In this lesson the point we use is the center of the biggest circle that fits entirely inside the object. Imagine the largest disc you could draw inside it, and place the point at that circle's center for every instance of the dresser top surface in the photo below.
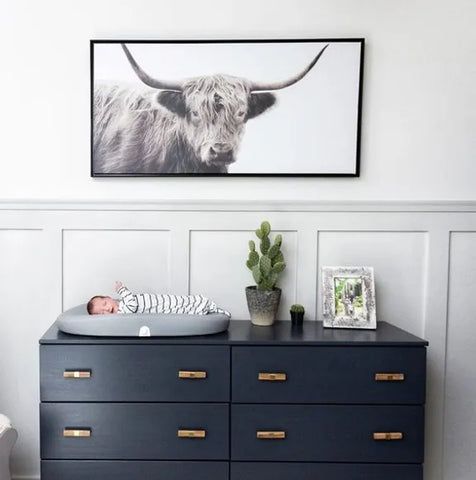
(242, 332)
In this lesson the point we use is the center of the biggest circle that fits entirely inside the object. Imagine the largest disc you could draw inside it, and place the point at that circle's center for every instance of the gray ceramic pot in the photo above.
(263, 305)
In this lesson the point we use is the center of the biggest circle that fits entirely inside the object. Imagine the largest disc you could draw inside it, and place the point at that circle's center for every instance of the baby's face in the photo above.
(104, 305)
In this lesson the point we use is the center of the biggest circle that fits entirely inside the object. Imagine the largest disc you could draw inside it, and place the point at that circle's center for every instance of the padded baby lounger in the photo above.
(77, 321)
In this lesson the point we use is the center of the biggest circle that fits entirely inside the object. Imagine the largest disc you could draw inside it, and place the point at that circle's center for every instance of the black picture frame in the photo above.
(356, 170)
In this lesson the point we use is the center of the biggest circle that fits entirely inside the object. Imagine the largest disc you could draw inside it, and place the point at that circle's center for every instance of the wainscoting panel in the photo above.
(460, 412)
(57, 254)
(218, 270)
(94, 259)
(399, 262)
(25, 290)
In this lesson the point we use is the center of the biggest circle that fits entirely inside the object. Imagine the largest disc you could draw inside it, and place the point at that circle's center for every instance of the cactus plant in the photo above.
(297, 315)
(267, 266)
(296, 308)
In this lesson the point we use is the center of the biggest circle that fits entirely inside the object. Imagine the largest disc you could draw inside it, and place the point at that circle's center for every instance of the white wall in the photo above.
(418, 143)
(418, 129)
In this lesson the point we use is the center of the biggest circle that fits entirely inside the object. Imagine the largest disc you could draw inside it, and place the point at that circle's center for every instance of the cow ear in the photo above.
(259, 103)
(172, 101)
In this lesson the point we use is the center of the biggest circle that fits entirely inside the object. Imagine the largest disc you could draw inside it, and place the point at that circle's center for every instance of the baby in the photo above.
(151, 303)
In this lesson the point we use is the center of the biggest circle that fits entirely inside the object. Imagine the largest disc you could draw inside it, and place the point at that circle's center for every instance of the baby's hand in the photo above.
(118, 286)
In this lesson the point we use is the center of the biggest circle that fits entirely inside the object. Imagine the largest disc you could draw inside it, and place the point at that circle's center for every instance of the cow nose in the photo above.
(222, 154)
(220, 148)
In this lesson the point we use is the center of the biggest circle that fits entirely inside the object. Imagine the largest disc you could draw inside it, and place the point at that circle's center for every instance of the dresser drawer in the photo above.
(132, 470)
(134, 373)
(326, 433)
(329, 375)
(134, 431)
(325, 471)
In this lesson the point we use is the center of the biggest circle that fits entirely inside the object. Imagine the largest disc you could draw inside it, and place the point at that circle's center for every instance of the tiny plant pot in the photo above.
(297, 318)
(263, 305)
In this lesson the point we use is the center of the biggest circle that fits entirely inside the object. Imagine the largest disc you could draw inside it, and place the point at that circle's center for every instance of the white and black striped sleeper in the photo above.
(154, 303)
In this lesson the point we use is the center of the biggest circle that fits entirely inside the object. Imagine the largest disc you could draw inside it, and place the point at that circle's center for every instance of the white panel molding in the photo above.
(307, 264)
(307, 221)
(459, 377)
(22, 288)
(385, 254)
(435, 317)
(122, 257)
(239, 205)
(180, 259)
(237, 256)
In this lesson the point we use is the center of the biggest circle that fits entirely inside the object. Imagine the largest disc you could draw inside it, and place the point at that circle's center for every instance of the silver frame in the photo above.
(328, 297)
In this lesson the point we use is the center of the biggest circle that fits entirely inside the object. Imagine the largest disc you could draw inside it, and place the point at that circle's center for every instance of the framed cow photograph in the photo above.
(226, 108)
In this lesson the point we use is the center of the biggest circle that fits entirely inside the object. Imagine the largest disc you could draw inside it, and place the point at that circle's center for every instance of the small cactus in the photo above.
(267, 267)
(296, 308)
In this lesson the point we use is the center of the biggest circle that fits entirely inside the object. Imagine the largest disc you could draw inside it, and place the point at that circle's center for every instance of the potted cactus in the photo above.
(263, 299)
(297, 314)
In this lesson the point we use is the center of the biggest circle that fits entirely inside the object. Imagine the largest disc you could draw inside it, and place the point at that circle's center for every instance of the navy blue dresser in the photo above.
(255, 402)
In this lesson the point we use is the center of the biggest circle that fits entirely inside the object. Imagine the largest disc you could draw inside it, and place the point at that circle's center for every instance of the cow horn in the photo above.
(147, 79)
(256, 87)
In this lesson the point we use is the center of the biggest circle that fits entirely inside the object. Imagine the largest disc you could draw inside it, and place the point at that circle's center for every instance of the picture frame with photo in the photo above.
(348, 297)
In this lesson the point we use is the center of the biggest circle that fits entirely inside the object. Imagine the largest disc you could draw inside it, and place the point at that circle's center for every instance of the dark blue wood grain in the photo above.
(134, 431)
(329, 375)
(324, 471)
(242, 332)
(329, 406)
(327, 433)
(134, 373)
(132, 470)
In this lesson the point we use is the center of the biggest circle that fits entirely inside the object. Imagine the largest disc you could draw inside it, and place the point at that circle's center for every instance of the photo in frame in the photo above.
(348, 297)
(226, 107)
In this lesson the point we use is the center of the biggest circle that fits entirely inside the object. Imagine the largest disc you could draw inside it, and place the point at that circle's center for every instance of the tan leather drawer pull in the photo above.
(191, 433)
(389, 377)
(272, 377)
(77, 432)
(266, 435)
(77, 374)
(388, 436)
(192, 374)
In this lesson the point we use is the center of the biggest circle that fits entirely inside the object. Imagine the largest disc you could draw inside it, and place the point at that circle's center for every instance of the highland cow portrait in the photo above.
(226, 107)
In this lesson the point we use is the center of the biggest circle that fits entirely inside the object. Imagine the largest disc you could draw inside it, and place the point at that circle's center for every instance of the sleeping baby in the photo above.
(151, 303)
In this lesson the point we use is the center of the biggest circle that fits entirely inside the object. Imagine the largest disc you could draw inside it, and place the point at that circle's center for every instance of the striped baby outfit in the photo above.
(153, 303)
